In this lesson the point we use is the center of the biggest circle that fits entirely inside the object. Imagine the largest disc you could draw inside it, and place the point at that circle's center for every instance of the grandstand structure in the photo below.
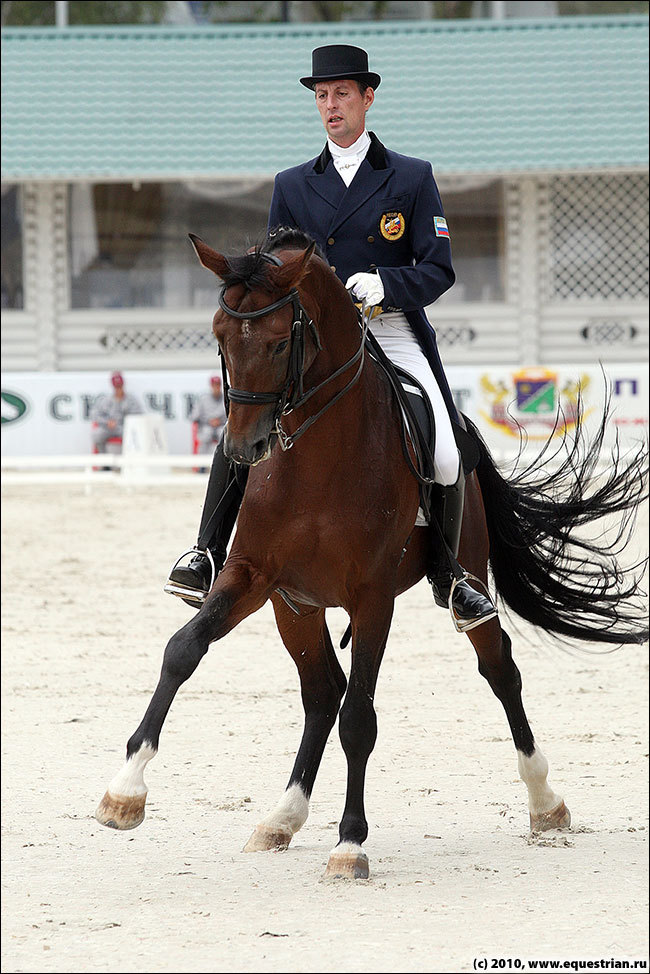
(118, 141)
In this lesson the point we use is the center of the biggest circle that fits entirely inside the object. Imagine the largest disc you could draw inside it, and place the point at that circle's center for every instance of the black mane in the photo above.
(251, 269)
(290, 238)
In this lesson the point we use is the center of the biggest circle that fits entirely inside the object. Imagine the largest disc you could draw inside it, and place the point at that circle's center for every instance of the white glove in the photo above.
(368, 286)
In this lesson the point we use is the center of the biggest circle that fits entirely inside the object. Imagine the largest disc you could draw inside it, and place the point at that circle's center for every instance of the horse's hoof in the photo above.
(121, 812)
(347, 864)
(264, 838)
(558, 818)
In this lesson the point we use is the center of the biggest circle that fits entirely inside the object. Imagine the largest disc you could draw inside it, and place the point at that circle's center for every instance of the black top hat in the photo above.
(337, 61)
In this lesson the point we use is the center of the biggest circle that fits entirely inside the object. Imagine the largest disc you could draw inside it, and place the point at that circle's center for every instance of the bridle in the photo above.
(292, 394)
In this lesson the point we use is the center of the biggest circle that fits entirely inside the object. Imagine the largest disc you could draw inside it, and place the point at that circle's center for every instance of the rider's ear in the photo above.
(292, 271)
(214, 262)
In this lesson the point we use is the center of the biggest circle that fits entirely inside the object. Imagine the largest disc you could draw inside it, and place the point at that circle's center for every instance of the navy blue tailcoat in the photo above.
(390, 220)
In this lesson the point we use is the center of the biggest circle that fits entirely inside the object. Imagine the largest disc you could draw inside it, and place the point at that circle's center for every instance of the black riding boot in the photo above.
(223, 498)
(470, 607)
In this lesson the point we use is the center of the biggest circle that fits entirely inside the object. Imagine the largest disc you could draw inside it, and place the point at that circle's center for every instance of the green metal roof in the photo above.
(472, 96)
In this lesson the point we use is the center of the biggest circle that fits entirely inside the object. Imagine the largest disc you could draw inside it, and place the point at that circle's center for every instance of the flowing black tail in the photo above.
(547, 566)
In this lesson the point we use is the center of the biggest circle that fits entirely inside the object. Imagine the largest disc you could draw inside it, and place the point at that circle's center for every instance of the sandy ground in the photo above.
(455, 875)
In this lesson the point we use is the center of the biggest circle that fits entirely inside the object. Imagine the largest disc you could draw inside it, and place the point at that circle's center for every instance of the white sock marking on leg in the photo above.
(129, 782)
(347, 849)
(533, 771)
(291, 811)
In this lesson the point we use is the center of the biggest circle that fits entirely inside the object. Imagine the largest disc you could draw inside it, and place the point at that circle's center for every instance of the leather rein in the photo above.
(292, 395)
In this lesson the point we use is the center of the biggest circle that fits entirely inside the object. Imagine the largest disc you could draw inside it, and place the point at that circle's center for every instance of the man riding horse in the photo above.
(377, 217)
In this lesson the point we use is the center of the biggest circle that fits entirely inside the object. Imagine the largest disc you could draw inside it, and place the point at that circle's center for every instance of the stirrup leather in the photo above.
(464, 625)
(191, 594)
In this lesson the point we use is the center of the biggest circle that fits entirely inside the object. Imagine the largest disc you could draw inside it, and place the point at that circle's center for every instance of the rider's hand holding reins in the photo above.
(368, 287)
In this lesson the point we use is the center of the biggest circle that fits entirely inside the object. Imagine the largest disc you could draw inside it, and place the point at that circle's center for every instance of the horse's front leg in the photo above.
(239, 591)
(322, 683)
(358, 729)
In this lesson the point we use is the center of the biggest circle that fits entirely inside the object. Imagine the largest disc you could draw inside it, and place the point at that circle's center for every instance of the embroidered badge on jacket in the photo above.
(441, 228)
(392, 225)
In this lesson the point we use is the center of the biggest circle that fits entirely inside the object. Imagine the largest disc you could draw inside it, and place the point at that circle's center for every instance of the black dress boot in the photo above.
(469, 607)
(192, 582)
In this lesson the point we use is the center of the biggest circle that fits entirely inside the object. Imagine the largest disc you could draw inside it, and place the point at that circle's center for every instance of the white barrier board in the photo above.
(48, 413)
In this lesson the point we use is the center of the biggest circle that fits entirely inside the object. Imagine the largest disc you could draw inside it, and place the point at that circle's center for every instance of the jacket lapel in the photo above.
(325, 180)
(373, 172)
(365, 184)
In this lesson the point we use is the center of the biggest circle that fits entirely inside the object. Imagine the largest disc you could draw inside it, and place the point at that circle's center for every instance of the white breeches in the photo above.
(394, 334)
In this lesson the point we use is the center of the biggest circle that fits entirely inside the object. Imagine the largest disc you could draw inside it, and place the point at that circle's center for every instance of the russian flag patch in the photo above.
(440, 226)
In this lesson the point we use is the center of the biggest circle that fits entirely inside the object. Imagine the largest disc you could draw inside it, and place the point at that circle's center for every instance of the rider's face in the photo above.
(343, 109)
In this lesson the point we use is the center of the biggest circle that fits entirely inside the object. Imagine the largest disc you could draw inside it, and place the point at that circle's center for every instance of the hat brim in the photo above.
(368, 77)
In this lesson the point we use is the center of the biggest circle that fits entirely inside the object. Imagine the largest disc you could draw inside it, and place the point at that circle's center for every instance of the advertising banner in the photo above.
(48, 414)
(515, 407)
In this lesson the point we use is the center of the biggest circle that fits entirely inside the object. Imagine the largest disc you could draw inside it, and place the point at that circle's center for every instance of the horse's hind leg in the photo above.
(322, 684)
(495, 663)
(238, 593)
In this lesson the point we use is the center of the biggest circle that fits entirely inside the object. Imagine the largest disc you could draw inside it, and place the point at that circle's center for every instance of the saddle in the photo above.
(418, 425)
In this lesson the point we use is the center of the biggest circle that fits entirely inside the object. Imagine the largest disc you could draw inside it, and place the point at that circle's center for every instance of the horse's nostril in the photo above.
(260, 450)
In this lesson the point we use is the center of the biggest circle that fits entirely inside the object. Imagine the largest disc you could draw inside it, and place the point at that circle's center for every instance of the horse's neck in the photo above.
(346, 401)
(338, 325)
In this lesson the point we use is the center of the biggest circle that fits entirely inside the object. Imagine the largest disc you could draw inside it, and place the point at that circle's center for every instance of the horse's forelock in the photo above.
(247, 269)
(252, 270)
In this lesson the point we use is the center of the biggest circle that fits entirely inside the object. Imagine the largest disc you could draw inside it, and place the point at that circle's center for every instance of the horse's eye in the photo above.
(280, 347)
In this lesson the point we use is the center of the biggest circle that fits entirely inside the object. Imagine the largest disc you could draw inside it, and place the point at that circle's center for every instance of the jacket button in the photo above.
(372, 267)
(330, 241)
(332, 267)
(371, 239)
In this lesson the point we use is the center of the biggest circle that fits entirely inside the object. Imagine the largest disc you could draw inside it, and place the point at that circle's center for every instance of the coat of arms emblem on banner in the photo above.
(532, 401)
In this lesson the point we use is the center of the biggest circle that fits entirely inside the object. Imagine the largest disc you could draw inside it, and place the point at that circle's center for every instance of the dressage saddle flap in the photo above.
(421, 407)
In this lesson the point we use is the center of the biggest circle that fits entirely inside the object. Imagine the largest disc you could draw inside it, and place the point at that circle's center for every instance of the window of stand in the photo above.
(12, 248)
(475, 212)
(129, 245)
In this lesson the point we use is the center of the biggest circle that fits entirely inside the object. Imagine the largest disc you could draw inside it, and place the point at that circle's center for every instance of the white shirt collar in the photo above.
(358, 148)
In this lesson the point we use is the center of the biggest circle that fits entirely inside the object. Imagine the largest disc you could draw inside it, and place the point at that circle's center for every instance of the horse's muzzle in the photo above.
(241, 450)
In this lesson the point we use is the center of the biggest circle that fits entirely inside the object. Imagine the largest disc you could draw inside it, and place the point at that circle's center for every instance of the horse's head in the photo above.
(263, 335)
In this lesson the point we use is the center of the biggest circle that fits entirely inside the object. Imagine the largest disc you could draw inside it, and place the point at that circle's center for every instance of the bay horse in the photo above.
(328, 519)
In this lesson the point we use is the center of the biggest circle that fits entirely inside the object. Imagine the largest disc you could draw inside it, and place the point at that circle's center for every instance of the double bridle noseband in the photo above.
(292, 394)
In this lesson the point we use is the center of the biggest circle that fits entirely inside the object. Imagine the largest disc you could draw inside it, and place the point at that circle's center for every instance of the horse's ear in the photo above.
(292, 271)
(214, 262)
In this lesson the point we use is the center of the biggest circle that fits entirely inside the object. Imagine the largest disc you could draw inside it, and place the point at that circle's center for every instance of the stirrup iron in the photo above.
(464, 625)
(192, 594)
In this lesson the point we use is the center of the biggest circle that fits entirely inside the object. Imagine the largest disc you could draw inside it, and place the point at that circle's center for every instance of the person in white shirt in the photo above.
(107, 416)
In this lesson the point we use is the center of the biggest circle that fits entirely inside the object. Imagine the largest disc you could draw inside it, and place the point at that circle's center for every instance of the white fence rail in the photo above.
(125, 469)
(128, 470)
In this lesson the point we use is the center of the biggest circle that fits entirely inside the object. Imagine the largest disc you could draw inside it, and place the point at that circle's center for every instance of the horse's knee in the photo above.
(358, 727)
(183, 653)
(212, 620)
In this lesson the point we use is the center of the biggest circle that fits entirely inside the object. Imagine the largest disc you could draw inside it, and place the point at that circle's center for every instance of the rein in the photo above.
(292, 394)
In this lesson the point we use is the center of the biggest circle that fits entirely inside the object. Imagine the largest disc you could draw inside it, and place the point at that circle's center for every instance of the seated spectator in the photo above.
(107, 416)
(210, 416)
